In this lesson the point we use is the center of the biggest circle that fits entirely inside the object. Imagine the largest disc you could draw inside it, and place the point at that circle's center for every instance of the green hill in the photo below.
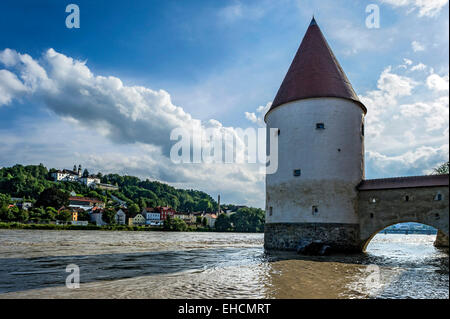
(30, 181)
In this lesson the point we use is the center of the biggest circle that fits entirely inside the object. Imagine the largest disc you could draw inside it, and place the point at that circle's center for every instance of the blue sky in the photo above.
(215, 60)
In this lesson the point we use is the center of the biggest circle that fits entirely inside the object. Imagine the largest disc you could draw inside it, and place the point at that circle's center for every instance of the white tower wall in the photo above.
(331, 164)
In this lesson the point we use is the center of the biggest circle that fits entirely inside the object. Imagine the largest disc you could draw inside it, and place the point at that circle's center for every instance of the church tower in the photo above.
(320, 120)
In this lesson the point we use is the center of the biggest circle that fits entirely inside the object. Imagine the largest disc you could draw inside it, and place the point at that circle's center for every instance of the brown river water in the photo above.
(213, 265)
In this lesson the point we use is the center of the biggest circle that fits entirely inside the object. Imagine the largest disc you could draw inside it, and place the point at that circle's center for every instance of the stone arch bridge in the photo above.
(388, 201)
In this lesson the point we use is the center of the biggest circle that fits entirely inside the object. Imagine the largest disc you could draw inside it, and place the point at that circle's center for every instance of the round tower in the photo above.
(320, 120)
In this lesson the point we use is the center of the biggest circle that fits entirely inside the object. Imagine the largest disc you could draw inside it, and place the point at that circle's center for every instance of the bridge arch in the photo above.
(381, 208)
(440, 236)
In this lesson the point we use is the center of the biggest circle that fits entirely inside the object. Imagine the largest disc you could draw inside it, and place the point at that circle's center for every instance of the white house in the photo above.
(152, 217)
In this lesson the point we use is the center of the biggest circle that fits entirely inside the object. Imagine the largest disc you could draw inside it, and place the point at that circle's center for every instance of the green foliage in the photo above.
(223, 223)
(64, 215)
(53, 197)
(246, 219)
(133, 209)
(175, 224)
(108, 216)
(441, 169)
(5, 200)
(84, 216)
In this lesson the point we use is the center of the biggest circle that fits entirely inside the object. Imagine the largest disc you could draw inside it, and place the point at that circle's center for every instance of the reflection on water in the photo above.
(213, 265)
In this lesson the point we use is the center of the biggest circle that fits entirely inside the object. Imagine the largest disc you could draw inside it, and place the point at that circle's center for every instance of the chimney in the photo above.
(218, 202)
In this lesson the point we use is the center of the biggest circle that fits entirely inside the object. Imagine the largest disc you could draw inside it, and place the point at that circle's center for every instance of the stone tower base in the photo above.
(288, 236)
(441, 240)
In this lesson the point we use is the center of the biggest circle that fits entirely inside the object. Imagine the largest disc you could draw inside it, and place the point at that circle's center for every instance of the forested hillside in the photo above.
(30, 181)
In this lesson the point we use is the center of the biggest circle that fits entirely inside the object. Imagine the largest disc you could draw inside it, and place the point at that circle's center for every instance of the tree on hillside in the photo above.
(205, 205)
(441, 169)
(53, 197)
(65, 215)
(6, 214)
(108, 216)
(85, 173)
(223, 223)
(5, 199)
(133, 209)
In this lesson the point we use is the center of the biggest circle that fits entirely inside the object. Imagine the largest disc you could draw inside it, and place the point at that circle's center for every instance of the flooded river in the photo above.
(213, 265)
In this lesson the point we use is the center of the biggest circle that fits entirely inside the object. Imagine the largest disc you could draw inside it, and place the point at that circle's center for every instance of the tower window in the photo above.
(406, 198)
(320, 126)
(371, 215)
(270, 211)
(297, 172)
(438, 196)
(315, 210)
(373, 200)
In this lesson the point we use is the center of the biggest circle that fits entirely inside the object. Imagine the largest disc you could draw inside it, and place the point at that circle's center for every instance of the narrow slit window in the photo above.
(297, 172)
(320, 126)
(407, 198)
(315, 210)
(362, 129)
(270, 211)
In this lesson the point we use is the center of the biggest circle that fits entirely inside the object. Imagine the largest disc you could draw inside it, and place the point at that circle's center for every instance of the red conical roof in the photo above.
(315, 72)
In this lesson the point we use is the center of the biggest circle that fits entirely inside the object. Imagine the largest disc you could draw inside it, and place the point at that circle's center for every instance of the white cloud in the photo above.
(406, 131)
(419, 67)
(417, 46)
(125, 115)
(438, 83)
(239, 10)
(10, 87)
(258, 117)
(426, 8)
(418, 161)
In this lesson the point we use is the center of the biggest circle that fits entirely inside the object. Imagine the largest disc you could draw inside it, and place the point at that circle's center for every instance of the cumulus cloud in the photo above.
(438, 83)
(10, 87)
(407, 133)
(258, 116)
(413, 162)
(126, 115)
(424, 8)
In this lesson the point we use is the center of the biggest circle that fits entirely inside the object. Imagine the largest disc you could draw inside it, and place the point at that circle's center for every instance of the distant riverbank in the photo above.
(16, 225)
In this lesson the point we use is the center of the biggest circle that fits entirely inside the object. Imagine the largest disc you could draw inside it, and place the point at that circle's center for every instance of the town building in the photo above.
(164, 212)
(121, 216)
(188, 218)
(210, 220)
(85, 202)
(96, 214)
(137, 220)
(76, 175)
(152, 216)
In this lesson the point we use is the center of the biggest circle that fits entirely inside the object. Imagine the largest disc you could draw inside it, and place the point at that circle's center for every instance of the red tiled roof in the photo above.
(84, 199)
(315, 72)
(404, 182)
